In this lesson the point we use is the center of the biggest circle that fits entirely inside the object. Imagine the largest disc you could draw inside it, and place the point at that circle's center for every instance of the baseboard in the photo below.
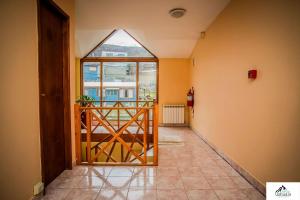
(173, 125)
(252, 180)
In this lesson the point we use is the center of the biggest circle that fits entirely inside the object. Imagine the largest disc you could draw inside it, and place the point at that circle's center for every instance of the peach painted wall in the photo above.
(20, 166)
(173, 82)
(256, 123)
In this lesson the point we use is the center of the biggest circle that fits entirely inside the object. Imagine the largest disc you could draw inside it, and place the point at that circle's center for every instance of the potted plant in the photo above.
(84, 100)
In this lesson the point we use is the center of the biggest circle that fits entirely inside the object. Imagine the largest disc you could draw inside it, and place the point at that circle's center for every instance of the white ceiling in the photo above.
(148, 21)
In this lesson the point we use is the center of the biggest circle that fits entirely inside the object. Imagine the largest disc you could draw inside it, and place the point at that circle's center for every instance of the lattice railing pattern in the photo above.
(116, 134)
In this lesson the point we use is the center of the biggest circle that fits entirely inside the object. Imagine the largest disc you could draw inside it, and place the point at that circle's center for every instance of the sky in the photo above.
(122, 38)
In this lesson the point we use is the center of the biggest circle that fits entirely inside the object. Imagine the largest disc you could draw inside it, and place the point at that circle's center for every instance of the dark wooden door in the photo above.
(51, 82)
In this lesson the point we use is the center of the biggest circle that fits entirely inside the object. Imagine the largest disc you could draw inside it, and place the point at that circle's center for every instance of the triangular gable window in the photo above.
(120, 44)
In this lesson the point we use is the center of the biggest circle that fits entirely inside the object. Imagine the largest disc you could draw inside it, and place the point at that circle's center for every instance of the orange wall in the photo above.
(20, 161)
(256, 123)
(20, 166)
(173, 82)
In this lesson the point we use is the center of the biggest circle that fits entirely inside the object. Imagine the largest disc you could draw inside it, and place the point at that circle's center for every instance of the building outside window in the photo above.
(120, 81)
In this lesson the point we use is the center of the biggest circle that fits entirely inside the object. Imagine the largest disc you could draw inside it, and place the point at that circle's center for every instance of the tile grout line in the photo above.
(207, 149)
(217, 165)
(227, 176)
(211, 188)
(209, 145)
(105, 177)
(209, 183)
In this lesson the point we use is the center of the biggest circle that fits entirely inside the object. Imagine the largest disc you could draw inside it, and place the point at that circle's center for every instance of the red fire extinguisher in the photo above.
(190, 97)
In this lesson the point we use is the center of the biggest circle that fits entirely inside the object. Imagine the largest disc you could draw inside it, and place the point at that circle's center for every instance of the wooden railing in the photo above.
(116, 132)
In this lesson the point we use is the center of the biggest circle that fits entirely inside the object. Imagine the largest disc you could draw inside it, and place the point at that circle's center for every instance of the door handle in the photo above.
(43, 94)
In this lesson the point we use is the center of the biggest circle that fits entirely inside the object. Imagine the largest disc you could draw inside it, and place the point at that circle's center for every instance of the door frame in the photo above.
(66, 83)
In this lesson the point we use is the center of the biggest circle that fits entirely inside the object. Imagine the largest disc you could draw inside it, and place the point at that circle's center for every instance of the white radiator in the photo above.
(173, 114)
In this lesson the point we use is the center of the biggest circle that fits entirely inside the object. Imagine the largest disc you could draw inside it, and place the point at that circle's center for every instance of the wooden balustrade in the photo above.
(100, 131)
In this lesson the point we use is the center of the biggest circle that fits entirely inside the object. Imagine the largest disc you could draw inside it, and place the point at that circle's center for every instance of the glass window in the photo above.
(93, 68)
(147, 81)
(91, 79)
(118, 77)
(119, 81)
(120, 44)
(130, 93)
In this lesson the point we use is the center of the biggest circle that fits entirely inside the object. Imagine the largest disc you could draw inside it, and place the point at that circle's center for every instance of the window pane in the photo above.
(119, 78)
(147, 81)
(120, 44)
(91, 79)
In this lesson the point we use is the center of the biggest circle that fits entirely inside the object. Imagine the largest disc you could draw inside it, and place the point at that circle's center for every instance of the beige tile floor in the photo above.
(189, 170)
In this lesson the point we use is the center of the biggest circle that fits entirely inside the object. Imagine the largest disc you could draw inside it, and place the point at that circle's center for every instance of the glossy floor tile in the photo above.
(142, 194)
(189, 170)
(178, 194)
(107, 194)
(202, 194)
